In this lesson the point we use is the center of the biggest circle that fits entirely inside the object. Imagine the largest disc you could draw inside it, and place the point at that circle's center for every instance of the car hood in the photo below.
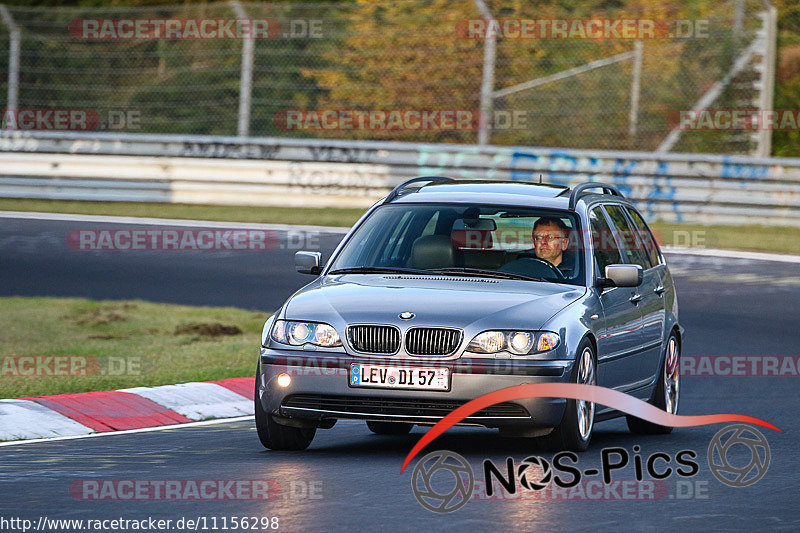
(469, 303)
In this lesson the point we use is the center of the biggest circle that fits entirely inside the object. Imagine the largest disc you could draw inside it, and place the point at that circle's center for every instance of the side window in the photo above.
(430, 227)
(392, 248)
(632, 245)
(650, 244)
(606, 251)
(406, 232)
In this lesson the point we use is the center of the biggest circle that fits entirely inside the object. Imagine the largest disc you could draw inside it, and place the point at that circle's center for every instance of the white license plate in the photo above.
(393, 377)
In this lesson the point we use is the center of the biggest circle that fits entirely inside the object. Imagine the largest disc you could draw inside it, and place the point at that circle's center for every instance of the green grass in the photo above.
(777, 239)
(122, 344)
(223, 213)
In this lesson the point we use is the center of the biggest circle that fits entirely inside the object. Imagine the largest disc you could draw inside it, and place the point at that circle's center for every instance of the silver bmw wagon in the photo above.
(447, 290)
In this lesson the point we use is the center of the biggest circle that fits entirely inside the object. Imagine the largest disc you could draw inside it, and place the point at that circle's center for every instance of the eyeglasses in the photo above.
(547, 238)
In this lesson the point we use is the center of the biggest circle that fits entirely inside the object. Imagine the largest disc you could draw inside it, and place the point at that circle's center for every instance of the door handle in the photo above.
(659, 290)
(635, 299)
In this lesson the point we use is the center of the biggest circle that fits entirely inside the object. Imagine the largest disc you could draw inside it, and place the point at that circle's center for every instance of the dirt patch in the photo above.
(104, 314)
(208, 330)
(788, 62)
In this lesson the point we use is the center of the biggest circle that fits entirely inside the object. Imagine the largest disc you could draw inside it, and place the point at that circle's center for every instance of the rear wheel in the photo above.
(389, 428)
(667, 393)
(276, 436)
(575, 430)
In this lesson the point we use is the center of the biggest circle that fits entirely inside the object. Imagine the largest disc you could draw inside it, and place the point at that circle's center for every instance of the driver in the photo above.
(550, 240)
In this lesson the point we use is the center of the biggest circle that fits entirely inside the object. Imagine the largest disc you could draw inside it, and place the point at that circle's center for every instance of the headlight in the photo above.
(516, 342)
(299, 333)
(520, 342)
(488, 342)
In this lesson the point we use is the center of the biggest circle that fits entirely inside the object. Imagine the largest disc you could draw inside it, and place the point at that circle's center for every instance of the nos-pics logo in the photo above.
(443, 481)
(733, 471)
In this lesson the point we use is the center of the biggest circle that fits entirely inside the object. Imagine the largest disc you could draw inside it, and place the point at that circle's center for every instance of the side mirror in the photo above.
(622, 276)
(307, 262)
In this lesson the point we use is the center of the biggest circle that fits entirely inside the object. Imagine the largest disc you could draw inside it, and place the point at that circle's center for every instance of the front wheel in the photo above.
(575, 430)
(276, 436)
(667, 391)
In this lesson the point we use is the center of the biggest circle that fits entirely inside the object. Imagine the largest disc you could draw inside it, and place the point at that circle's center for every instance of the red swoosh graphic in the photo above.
(592, 393)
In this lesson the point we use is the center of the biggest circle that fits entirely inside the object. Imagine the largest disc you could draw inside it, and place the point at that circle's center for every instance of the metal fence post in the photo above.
(487, 85)
(766, 98)
(13, 59)
(738, 17)
(633, 115)
(246, 78)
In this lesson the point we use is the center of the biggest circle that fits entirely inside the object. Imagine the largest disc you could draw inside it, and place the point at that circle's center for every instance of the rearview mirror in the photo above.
(623, 276)
(482, 224)
(307, 262)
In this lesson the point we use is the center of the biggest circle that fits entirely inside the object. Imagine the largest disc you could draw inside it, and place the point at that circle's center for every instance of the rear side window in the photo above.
(650, 244)
(632, 245)
(606, 250)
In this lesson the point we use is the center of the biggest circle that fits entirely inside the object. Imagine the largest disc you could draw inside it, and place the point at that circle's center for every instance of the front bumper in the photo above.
(319, 392)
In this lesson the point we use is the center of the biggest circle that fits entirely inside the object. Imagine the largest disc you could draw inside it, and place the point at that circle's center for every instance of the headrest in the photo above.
(473, 234)
(433, 251)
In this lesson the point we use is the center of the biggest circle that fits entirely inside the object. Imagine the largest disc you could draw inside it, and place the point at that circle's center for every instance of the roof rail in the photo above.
(400, 188)
(575, 194)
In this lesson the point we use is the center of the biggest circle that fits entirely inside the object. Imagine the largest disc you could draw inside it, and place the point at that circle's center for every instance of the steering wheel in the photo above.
(549, 265)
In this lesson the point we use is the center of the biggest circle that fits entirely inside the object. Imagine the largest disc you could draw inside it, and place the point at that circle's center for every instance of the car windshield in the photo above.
(466, 240)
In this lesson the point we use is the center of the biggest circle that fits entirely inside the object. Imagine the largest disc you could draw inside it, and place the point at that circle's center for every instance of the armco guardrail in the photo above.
(321, 173)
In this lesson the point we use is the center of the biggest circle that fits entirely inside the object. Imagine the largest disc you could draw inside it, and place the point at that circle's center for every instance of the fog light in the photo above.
(284, 380)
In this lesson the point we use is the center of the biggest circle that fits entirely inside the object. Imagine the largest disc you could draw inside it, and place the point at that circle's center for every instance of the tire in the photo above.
(668, 382)
(575, 430)
(276, 436)
(389, 428)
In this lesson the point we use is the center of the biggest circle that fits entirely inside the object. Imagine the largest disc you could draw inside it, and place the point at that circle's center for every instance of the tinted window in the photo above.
(631, 244)
(650, 244)
(606, 250)
(437, 237)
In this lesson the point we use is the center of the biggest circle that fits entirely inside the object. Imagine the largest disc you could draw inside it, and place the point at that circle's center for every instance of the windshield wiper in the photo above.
(487, 273)
(450, 270)
(380, 270)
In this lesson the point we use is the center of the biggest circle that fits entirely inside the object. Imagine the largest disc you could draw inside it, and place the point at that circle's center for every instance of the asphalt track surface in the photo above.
(349, 479)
